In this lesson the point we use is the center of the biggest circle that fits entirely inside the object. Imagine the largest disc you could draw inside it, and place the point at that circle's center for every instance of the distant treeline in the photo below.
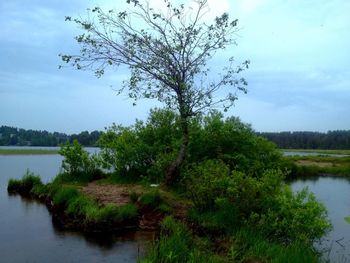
(286, 140)
(310, 140)
(11, 136)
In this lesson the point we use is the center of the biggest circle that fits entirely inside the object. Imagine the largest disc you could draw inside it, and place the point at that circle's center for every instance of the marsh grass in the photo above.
(176, 244)
(65, 195)
(248, 245)
(28, 151)
(24, 185)
(316, 165)
(154, 199)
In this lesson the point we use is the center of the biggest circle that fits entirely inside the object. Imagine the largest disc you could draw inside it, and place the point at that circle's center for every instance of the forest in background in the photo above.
(11, 136)
(339, 140)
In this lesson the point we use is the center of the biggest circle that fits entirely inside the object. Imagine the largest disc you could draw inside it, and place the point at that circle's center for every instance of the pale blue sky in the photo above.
(299, 77)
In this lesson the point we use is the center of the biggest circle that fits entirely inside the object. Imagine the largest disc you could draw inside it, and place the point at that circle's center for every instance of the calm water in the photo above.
(286, 153)
(334, 192)
(28, 235)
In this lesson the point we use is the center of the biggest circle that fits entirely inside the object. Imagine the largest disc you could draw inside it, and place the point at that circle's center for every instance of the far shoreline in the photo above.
(26, 151)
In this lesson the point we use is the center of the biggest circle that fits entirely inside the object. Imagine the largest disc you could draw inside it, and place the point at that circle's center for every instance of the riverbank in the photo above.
(18, 151)
(96, 206)
(323, 152)
(317, 165)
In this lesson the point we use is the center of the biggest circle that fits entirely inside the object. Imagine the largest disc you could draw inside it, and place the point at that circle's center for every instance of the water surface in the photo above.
(28, 235)
(334, 192)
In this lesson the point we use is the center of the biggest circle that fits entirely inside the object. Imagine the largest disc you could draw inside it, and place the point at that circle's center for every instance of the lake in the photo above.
(334, 192)
(28, 235)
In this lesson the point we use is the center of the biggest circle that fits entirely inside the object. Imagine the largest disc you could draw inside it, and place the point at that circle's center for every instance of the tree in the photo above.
(168, 58)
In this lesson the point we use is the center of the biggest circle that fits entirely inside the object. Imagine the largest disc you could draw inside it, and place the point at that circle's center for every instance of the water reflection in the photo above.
(334, 193)
(28, 234)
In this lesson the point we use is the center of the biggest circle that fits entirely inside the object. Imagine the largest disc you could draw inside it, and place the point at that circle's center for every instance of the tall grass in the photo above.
(80, 206)
(24, 185)
(176, 244)
(316, 165)
(248, 245)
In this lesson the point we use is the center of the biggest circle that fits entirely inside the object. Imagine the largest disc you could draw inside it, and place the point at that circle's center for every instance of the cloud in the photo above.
(298, 78)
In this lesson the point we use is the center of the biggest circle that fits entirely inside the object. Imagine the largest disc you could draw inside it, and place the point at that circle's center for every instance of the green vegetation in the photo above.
(69, 200)
(234, 203)
(145, 150)
(316, 165)
(26, 184)
(170, 54)
(27, 151)
(81, 207)
(335, 140)
(177, 244)
(230, 193)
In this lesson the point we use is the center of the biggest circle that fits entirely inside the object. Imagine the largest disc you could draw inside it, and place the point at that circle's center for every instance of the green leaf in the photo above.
(347, 219)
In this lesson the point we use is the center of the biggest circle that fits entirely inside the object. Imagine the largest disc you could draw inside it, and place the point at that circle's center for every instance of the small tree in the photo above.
(168, 58)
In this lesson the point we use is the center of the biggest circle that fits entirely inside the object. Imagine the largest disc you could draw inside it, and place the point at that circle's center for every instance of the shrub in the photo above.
(77, 164)
(293, 217)
(224, 201)
(233, 142)
(205, 182)
(144, 149)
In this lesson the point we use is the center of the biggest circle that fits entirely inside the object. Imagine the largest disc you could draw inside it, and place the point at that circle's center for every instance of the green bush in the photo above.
(207, 181)
(293, 217)
(233, 142)
(225, 201)
(143, 150)
(77, 164)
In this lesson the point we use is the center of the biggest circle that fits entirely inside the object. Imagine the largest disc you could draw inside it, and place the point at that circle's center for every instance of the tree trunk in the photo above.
(172, 172)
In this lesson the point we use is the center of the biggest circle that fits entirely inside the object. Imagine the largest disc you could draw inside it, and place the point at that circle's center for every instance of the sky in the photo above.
(298, 80)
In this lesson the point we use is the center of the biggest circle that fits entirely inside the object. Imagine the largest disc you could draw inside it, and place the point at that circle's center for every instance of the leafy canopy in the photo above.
(167, 56)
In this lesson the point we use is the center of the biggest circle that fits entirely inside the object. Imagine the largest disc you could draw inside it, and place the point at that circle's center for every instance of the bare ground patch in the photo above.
(110, 194)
